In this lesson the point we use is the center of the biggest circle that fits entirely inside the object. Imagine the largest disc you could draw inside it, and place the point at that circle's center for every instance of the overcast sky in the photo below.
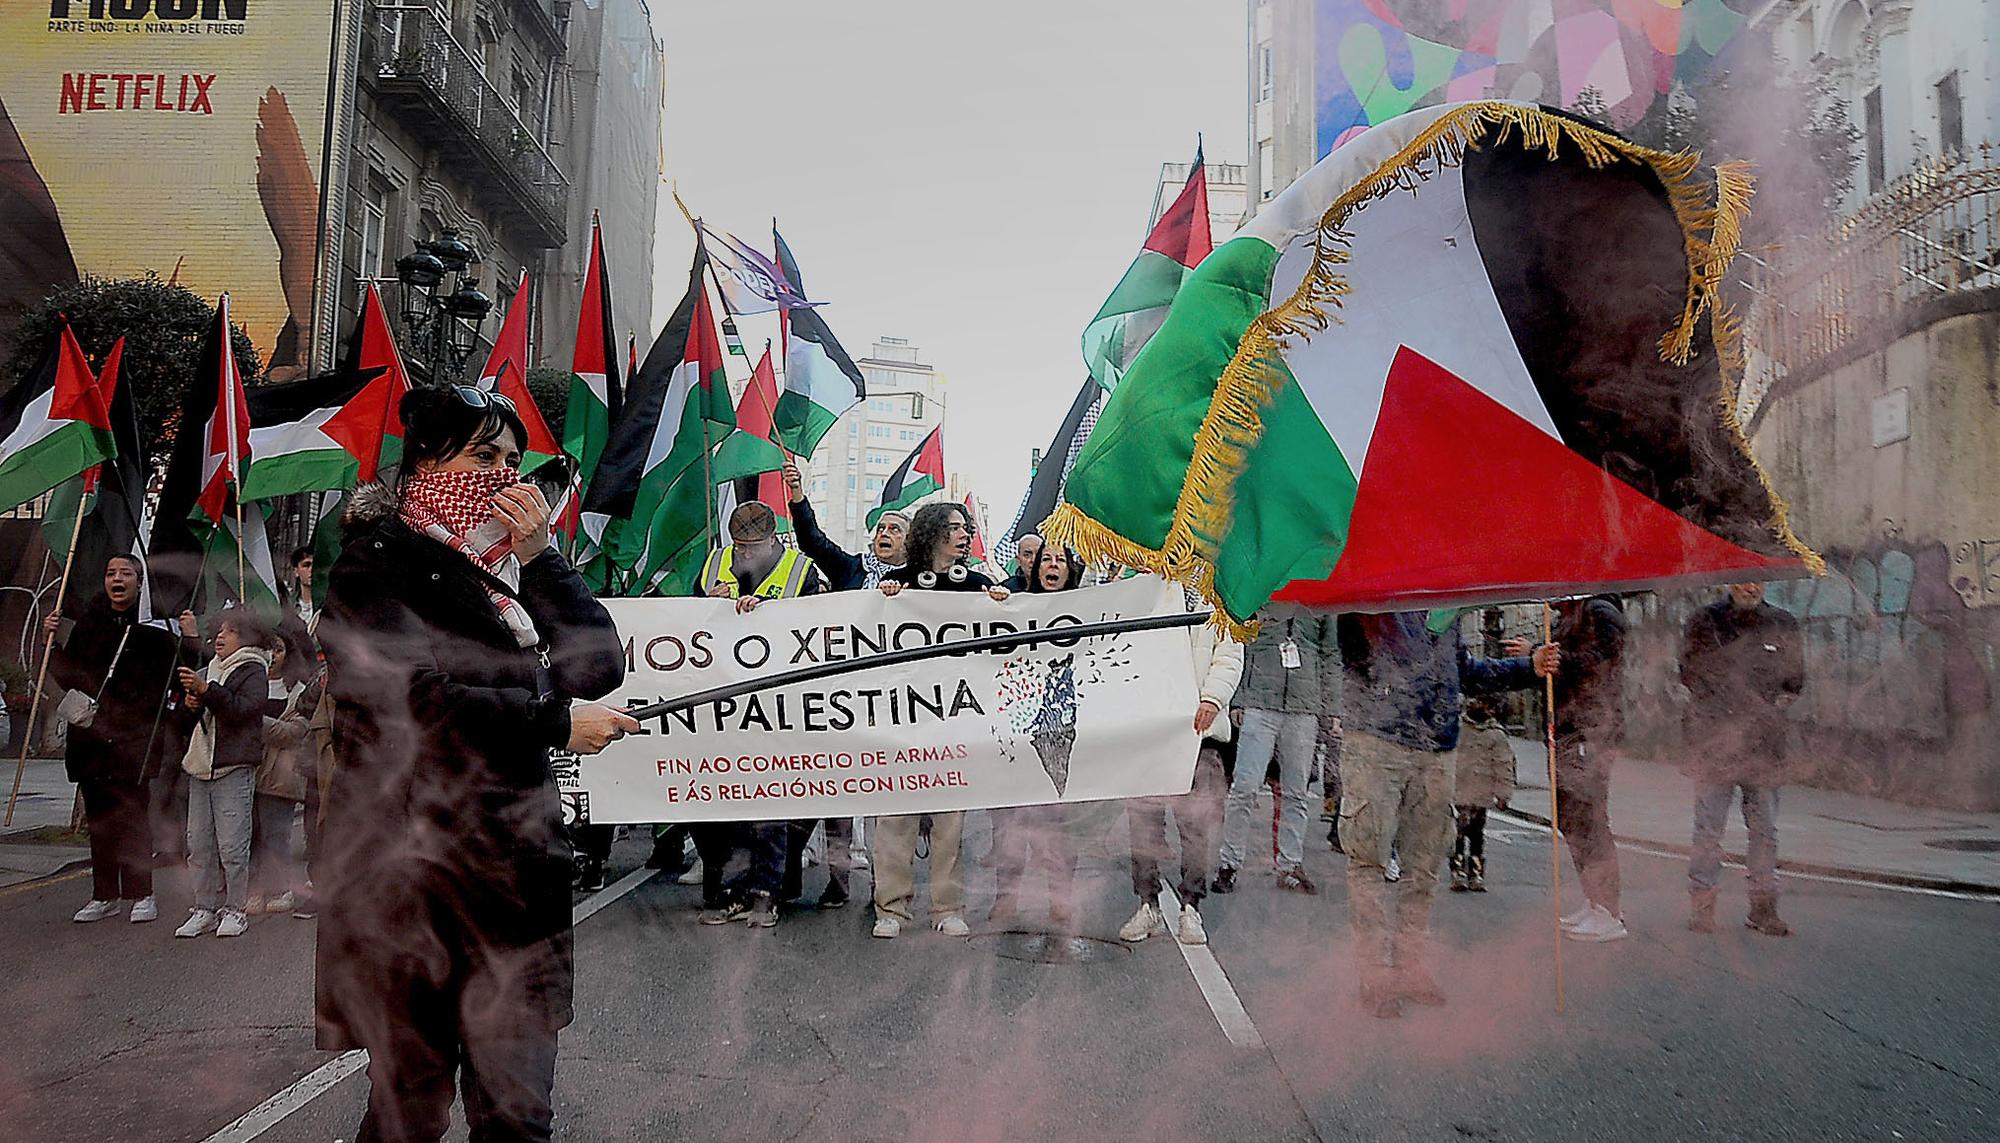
(972, 177)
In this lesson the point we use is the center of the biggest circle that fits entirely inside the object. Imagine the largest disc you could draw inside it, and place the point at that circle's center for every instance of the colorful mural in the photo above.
(1379, 58)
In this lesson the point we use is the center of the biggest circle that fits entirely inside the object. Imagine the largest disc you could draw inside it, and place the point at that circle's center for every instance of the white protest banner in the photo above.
(1063, 720)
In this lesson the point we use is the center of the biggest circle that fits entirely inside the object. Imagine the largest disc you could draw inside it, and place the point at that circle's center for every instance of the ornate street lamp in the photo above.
(442, 309)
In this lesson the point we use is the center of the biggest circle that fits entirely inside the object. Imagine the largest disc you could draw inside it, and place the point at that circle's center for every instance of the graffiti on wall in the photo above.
(1975, 572)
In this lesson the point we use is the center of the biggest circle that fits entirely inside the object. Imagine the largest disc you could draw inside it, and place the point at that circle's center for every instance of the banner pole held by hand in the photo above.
(1555, 825)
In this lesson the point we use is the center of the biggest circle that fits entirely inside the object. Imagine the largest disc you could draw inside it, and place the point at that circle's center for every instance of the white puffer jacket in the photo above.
(1218, 667)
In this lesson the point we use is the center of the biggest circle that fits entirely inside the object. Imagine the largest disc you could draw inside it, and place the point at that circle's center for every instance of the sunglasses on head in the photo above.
(479, 398)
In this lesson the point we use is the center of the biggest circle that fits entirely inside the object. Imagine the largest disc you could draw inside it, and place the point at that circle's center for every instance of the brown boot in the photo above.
(1764, 916)
(1701, 911)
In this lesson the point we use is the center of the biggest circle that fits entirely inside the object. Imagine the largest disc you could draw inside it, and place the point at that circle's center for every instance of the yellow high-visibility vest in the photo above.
(786, 580)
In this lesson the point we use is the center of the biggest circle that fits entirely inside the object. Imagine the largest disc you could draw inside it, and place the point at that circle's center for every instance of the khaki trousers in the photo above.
(892, 849)
(1392, 795)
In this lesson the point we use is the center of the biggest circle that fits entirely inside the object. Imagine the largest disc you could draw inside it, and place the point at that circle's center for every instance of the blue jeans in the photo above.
(219, 826)
(1292, 737)
(1760, 820)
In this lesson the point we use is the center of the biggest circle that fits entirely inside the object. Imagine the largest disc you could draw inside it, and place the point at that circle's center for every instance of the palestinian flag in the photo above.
(329, 432)
(749, 466)
(595, 389)
(821, 381)
(506, 373)
(1045, 488)
(920, 474)
(259, 589)
(225, 439)
(1456, 362)
(654, 479)
(111, 495)
(1129, 317)
(53, 425)
(978, 531)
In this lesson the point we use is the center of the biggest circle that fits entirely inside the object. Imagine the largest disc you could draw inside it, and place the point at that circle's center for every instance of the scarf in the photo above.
(200, 759)
(456, 510)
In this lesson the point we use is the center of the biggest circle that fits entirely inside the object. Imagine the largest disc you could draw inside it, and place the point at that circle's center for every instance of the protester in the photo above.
(109, 656)
(886, 550)
(282, 775)
(298, 588)
(1036, 839)
(1290, 677)
(1590, 721)
(1027, 551)
(1218, 664)
(1400, 718)
(456, 641)
(940, 542)
(1484, 780)
(225, 724)
(1743, 663)
(754, 566)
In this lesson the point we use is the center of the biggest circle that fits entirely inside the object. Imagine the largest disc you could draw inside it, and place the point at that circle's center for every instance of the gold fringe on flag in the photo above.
(1711, 225)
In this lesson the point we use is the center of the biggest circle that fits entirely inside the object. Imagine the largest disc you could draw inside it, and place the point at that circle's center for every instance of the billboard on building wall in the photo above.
(181, 136)
(1375, 59)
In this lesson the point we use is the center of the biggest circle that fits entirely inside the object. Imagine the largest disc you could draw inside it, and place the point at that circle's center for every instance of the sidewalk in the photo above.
(1819, 831)
(44, 807)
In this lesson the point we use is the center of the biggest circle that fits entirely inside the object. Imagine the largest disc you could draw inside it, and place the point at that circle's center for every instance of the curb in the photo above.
(1841, 872)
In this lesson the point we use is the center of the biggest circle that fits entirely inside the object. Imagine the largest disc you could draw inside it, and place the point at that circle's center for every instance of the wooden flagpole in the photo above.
(1555, 824)
(42, 675)
(242, 588)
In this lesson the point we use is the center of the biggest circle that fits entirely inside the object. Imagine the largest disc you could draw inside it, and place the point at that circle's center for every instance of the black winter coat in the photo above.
(443, 829)
(1590, 684)
(1741, 668)
(234, 709)
(113, 748)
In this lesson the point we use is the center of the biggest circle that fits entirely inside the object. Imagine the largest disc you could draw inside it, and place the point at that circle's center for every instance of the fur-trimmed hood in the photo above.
(371, 503)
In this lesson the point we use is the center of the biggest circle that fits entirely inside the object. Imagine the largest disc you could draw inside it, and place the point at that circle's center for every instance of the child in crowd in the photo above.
(225, 716)
(282, 775)
(1485, 779)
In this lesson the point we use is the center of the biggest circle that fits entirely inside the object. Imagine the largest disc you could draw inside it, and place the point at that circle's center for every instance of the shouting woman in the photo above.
(456, 639)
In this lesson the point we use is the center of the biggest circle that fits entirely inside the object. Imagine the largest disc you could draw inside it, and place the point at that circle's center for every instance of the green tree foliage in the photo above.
(550, 389)
(162, 326)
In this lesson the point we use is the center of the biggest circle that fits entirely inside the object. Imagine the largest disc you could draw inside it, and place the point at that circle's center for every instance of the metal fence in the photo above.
(413, 43)
(1932, 233)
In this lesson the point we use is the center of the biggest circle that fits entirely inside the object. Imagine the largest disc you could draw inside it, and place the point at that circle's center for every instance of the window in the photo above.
(1266, 172)
(1871, 139)
(874, 484)
(878, 432)
(853, 430)
(906, 434)
(1265, 80)
(1951, 115)
(374, 228)
(850, 482)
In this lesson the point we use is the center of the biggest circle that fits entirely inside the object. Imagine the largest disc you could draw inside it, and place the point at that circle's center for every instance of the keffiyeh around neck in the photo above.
(456, 510)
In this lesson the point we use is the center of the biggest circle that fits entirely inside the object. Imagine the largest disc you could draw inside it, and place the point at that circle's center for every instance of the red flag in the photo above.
(506, 373)
(226, 437)
(755, 413)
(371, 416)
(107, 388)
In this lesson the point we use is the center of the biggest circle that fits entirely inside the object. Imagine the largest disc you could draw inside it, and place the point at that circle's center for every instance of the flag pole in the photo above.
(1555, 824)
(42, 676)
(242, 588)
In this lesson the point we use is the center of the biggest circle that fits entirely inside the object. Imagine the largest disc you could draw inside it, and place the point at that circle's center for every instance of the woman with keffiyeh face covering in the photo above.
(456, 639)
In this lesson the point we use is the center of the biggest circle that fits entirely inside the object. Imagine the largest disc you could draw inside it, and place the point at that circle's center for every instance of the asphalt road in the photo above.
(1877, 1021)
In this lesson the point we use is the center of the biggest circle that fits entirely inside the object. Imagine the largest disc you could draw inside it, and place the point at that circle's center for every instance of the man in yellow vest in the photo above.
(755, 567)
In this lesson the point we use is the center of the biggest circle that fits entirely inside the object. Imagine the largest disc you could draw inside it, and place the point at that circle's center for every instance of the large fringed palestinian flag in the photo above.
(1475, 354)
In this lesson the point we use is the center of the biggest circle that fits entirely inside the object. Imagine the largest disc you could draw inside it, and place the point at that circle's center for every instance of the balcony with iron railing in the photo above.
(416, 68)
(1931, 236)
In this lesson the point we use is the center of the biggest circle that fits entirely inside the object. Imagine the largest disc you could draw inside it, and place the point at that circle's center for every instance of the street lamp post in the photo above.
(442, 309)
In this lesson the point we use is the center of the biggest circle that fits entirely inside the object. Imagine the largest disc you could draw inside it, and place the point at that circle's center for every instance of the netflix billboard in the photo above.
(185, 137)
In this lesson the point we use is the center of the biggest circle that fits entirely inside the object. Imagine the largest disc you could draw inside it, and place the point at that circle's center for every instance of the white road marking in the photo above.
(1209, 977)
(324, 1078)
(1732, 863)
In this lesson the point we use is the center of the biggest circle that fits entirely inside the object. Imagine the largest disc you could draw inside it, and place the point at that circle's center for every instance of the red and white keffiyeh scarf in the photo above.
(456, 510)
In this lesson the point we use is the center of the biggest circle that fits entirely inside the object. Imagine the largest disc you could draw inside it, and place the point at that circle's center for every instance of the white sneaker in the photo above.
(145, 909)
(199, 921)
(95, 911)
(886, 928)
(1192, 931)
(953, 926)
(1394, 872)
(282, 903)
(1598, 925)
(233, 924)
(1142, 924)
(1572, 920)
(692, 876)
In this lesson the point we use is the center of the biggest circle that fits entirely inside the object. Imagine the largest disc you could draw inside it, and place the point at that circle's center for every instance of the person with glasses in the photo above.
(458, 644)
(940, 543)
